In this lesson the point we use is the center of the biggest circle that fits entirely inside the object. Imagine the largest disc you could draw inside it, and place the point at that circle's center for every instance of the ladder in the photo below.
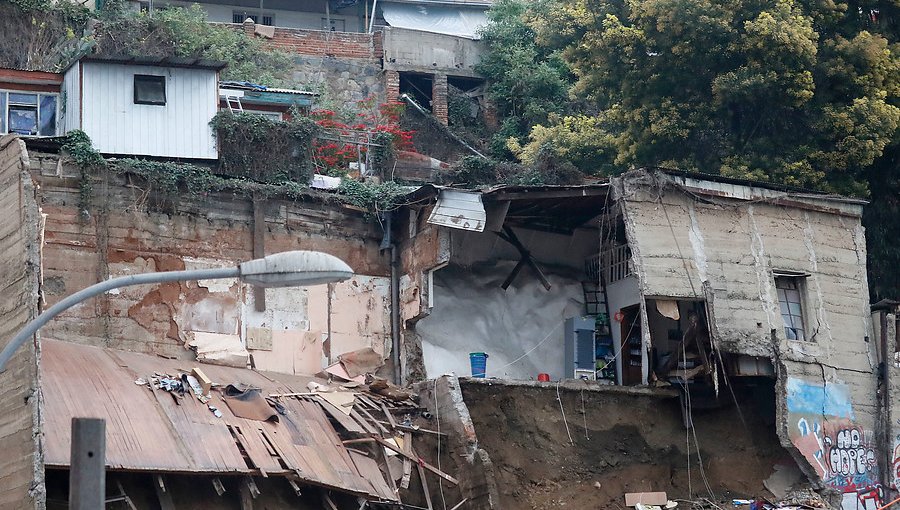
(234, 104)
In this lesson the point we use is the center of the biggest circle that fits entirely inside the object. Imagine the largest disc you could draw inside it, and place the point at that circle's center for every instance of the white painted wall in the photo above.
(286, 19)
(71, 99)
(621, 294)
(473, 313)
(178, 129)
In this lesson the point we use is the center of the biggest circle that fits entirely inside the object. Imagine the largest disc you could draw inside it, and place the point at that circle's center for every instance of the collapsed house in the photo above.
(678, 281)
(656, 290)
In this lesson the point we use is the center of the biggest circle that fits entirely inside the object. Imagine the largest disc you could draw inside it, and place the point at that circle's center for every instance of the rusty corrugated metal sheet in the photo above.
(146, 430)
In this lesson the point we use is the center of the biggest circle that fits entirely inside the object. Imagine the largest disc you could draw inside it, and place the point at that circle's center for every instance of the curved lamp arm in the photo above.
(123, 281)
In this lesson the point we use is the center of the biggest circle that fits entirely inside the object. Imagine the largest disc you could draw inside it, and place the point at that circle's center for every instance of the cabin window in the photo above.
(28, 113)
(149, 89)
(790, 298)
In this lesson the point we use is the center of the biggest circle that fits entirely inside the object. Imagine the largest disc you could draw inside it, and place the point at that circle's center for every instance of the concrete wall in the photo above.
(477, 477)
(520, 328)
(472, 313)
(412, 50)
(724, 249)
(131, 229)
(21, 464)
(424, 248)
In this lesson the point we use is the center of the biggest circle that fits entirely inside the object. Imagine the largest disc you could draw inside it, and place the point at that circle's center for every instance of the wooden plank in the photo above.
(390, 417)
(411, 456)
(163, 494)
(424, 486)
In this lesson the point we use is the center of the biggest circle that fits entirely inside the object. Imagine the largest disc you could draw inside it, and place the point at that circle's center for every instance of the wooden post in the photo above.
(87, 472)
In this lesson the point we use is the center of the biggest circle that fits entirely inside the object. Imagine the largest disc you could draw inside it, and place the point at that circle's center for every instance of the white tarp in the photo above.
(440, 19)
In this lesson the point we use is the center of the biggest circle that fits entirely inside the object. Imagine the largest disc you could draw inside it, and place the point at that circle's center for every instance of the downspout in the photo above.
(387, 243)
(395, 314)
(886, 420)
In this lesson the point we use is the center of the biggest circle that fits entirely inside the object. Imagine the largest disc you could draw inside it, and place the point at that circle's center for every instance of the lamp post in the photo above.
(285, 269)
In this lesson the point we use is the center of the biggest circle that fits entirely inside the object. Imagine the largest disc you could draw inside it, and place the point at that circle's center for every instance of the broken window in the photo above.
(26, 113)
(790, 299)
(149, 89)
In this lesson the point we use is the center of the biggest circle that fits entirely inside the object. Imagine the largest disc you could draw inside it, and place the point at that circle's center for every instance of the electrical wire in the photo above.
(563, 411)
(437, 418)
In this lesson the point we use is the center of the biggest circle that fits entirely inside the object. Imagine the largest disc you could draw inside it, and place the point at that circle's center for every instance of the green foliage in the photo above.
(43, 35)
(265, 150)
(78, 146)
(384, 155)
(781, 91)
(585, 141)
(473, 171)
(184, 32)
(526, 82)
(375, 198)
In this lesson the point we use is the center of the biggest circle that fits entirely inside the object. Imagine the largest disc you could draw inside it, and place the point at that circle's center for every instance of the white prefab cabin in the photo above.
(158, 107)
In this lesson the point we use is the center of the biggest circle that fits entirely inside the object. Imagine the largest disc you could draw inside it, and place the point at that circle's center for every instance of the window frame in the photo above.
(333, 24)
(798, 281)
(5, 107)
(150, 78)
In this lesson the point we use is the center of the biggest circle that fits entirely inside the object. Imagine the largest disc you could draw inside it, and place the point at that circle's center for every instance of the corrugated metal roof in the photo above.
(146, 430)
(459, 209)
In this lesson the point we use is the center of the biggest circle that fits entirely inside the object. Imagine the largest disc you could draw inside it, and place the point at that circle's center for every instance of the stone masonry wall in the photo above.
(344, 67)
(129, 229)
(21, 464)
(724, 251)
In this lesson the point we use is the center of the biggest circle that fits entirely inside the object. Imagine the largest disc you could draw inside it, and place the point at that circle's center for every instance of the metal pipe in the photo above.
(372, 19)
(94, 290)
(395, 315)
(450, 133)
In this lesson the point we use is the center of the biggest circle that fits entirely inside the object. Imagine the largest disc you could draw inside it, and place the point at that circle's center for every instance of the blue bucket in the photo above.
(478, 360)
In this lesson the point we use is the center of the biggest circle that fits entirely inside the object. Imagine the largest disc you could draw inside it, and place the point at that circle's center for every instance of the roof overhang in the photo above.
(29, 77)
(185, 62)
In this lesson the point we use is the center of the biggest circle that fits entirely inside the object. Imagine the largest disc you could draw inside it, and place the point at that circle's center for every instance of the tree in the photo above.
(776, 91)
(526, 82)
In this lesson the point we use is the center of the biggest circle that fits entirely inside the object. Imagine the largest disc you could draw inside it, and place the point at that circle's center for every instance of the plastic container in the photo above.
(544, 377)
(478, 361)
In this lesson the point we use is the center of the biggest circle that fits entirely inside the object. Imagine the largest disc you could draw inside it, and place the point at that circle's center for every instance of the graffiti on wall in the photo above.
(823, 428)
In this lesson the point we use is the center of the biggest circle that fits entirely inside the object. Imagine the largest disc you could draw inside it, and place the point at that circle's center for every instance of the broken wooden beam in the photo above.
(418, 460)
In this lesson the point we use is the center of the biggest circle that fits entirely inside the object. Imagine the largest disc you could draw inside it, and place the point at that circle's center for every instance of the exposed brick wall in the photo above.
(21, 466)
(391, 85)
(325, 44)
(439, 97)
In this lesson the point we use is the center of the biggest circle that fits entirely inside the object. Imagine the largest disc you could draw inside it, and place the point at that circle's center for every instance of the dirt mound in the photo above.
(620, 443)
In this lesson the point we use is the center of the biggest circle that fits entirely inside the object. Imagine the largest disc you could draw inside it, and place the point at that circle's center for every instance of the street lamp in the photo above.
(286, 269)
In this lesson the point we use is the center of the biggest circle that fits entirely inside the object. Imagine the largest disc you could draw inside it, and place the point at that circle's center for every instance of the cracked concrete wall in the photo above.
(443, 397)
(721, 243)
(424, 248)
(130, 229)
(21, 465)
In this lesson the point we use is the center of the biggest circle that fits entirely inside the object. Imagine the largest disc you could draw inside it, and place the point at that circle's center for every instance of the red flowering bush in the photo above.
(342, 143)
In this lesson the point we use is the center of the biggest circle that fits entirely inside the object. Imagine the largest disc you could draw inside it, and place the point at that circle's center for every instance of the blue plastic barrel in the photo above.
(478, 360)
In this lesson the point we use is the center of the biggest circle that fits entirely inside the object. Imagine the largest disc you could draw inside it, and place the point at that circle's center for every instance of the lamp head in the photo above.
(297, 268)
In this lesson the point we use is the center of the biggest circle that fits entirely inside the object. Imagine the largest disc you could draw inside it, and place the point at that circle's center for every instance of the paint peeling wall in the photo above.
(21, 464)
(723, 247)
(130, 229)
